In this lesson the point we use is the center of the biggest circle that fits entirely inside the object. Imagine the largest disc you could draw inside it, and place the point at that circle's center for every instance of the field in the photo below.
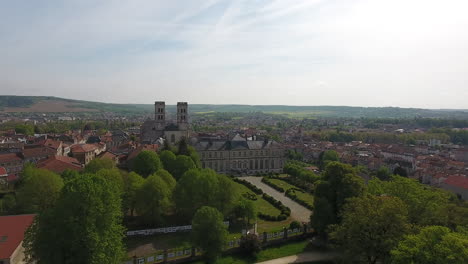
(49, 106)
(286, 186)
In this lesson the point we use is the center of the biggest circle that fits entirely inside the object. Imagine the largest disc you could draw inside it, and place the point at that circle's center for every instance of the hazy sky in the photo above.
(409, 53)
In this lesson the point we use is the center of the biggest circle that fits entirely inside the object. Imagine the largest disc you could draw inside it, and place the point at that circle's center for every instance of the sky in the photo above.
(406, 53)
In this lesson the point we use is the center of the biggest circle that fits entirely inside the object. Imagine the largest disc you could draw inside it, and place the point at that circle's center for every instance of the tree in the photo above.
(39, 190)
(245, 209)
(83, 227)
(339, 183)
(168, 159)
(250, 244)
(183, 148)
(167, 178)
(384, 173)
(24, 129)
(152, 199)
(132, 183)
(199, 187)
(209, 232)
(432, 245)
(7, 204)
(426, 205)
(400, 171)
(182, 164)
(371, 226)
(114, 176)
(96, 164)
(146, 163)
(326, 157)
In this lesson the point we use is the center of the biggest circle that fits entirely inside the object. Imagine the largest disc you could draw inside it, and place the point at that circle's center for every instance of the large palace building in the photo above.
(241, 156)
(153, 130)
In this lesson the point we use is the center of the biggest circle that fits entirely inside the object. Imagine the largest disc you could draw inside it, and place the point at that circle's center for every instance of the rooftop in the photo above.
(12, 228)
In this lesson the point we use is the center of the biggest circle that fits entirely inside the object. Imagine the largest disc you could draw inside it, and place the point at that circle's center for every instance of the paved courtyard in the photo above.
(298, 212)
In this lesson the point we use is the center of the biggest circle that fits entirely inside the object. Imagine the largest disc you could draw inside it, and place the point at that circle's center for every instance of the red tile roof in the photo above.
(9, 157)
(54, 144)
(37, 152)
(12, 228)
(3, 171)
(83, 148)
(60, 163)
(457, 180)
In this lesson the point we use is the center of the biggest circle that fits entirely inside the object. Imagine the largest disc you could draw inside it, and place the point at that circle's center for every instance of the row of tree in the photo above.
(384, 221)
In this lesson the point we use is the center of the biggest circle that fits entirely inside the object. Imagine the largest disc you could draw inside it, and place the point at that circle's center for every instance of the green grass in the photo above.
(260, 204)
(264, 255)
(306, 197)
(286, 186)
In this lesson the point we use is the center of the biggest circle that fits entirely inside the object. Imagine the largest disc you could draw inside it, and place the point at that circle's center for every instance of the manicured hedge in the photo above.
(249, 185)
(291, 194)
(272, 185)
(285, 211)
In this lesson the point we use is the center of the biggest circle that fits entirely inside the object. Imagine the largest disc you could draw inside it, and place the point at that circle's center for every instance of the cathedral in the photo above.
(154, 130)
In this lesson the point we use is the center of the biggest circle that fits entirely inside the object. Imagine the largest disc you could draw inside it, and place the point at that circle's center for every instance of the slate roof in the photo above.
(235, 145)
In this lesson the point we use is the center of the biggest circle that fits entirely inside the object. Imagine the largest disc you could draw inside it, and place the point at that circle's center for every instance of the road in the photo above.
(303, 257)
(298, 212)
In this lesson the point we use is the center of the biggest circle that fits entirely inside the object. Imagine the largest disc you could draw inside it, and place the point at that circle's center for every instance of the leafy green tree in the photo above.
(326, 157)
(400, 171)
(371, 226)
(24, 129)
(199, 187)
(426, 205)
(339, 183)
(183, 147)
(209, 232)
(433, 245)
(146, 163)
(39, 190)
(69, 174)
(152, 199)
(83, 227)
(7, 204)
(97, 164)
(114, 176)
(250, 244)
(132, 183)
(168, 159)
(384, 173)
(167, 178)
(182, 164)
(246, 210)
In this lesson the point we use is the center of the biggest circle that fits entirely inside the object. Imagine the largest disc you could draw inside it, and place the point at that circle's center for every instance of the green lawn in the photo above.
(286, 186)
(307, 197)
(260, 204)
(267, 254)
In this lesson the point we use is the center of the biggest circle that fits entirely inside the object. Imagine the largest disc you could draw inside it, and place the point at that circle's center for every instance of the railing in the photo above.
(184, 254)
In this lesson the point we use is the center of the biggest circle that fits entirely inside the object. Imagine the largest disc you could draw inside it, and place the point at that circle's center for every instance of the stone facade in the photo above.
(152, 130)
(241, 156)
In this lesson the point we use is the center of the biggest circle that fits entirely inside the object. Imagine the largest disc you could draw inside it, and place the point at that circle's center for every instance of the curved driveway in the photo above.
(298, 212)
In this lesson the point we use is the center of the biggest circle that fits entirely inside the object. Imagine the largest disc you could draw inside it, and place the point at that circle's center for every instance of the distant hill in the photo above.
(49, 104)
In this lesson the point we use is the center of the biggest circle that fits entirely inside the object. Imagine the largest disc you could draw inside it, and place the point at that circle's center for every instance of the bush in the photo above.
(249, 185)
(291, 194)
(250, 244)
(285, 211)
(295, 224)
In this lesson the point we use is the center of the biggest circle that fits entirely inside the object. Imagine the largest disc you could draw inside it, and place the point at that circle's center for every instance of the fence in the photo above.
(177, 255)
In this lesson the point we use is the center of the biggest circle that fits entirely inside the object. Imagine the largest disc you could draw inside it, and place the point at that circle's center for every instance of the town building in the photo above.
(12, 228)
(152, 130)
(240, 155)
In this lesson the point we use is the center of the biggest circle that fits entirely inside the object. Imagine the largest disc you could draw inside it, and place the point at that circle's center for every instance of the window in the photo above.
(251, 164)
(173, 138)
